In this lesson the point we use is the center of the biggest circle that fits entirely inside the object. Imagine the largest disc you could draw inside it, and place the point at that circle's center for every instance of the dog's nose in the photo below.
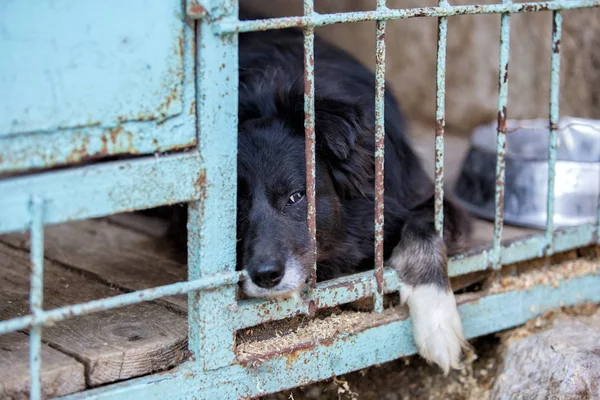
(267, 275)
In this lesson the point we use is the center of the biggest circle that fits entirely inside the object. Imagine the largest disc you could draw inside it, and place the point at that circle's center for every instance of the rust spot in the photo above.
(556, 47)
(180, 44)
(200, 186)
(502, 120)
(104, 148)
(506, 73)
(196, 10)
(439, 127)
(114, 134)
(193, 108)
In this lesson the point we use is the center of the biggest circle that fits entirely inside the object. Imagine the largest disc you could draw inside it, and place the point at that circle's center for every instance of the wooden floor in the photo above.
(100, 258)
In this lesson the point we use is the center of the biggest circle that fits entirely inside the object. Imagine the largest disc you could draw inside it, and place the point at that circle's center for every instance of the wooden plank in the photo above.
(122, 257)
(113, 345)
(61, 374)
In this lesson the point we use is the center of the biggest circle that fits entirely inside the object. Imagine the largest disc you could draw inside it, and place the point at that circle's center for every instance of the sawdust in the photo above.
(254, 345)
(412, 378)
(550, 275)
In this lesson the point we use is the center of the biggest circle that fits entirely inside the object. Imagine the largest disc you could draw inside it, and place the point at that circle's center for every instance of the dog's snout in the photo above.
(267, 275)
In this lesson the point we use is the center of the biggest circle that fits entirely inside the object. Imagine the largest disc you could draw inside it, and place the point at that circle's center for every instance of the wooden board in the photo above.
(61, 374)
(122, 257)
(113, 345)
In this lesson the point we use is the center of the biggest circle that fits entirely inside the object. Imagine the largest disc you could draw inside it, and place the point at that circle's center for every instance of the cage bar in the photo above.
(554, 118)
(123, 300)
(379, 156)
(212, 217)
(309, 131)
(36, 295)
(390, 14)
(440, 121)
(501, 138)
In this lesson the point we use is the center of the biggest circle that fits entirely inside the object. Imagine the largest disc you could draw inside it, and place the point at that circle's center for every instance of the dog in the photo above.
(273, 240)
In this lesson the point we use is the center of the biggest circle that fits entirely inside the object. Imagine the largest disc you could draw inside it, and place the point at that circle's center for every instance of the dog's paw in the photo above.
(436, 324)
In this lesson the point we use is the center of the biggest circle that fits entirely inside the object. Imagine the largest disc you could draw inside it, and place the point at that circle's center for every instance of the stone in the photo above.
(560, 363)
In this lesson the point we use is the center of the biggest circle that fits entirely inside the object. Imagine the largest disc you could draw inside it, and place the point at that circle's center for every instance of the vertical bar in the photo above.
(554, 117)
(379, 156)
(496, 258)
(211, 219)
(36, 294)
(440, 122)
(309, 130)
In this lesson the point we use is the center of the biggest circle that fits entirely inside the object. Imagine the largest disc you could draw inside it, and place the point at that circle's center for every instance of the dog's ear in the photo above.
(338, 126)
(343, 140)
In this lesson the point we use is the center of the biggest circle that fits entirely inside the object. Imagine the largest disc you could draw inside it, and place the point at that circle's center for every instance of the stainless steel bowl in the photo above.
(577, 184)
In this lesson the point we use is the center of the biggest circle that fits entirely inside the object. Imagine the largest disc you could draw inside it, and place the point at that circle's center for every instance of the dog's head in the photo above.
(273, 238)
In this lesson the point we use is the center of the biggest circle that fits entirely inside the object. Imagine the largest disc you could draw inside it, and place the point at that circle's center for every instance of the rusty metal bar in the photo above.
(36, 294)
(122, 300)
(309, 130)
(379, 157)
(501, 138)
(440, 121)
(554, 118)
(228, 26)
(327, 294)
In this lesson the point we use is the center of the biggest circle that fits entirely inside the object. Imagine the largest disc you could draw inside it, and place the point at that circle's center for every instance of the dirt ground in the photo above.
(413, 378)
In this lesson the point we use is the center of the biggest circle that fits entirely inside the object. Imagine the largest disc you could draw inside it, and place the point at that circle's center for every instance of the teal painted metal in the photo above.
(553, 117)
(211, 220)
(102, 189)
(379, 156)
(523, 249)
(389, 14)
(440, 121)
(89, 79)
(205, 94)
(496, 260)
(36, 295)
(62, 313)
(346, 353)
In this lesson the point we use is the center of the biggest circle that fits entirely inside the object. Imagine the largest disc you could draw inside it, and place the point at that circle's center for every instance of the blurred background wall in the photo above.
(472, 60)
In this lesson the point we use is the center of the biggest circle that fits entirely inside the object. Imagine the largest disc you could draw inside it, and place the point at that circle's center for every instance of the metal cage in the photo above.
(206, 178)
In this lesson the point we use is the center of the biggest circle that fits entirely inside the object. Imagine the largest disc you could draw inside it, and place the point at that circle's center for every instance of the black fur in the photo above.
(271, 165)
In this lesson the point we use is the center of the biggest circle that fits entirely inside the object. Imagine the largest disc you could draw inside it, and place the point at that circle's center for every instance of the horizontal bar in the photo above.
(524, 249)
(325, 295)
(102, 189)
(231, 25)
(70, 146)
(345, 352)
(123, 300)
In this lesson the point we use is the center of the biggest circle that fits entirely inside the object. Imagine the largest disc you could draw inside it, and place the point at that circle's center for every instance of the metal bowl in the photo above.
(577, 184)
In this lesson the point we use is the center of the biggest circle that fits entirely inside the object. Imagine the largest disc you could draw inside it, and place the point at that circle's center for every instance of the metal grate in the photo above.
(212, 276)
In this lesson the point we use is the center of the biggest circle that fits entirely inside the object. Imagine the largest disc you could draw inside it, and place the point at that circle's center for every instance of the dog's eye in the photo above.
(295, 198)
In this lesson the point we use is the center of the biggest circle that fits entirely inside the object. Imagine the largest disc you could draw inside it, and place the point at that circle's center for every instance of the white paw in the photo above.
(436, 324)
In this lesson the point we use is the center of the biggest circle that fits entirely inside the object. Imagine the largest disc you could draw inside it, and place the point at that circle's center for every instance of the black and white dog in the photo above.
(273, 239)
